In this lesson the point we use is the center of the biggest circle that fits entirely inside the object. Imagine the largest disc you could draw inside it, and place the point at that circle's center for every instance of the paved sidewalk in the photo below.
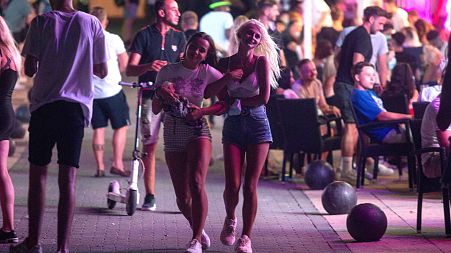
(289, 219)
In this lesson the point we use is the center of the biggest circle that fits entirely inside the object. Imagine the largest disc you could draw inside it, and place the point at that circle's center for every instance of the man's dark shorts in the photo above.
(114, 108)
(342, 100)
(60, 123)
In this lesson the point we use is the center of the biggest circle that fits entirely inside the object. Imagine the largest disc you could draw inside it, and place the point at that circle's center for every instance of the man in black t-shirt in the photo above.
(268, 11)
(152, 48)
(356, 48)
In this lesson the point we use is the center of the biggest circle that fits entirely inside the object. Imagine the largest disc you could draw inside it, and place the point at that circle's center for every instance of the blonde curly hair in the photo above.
(8, 46)
(267, 48)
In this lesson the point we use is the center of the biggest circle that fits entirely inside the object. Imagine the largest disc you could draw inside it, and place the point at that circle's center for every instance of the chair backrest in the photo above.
(415, 127)
(301, 130)
(419, 108)
(399, 104)
(274, 123)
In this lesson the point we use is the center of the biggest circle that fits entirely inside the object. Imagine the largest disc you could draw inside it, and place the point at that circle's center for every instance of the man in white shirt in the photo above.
(110, 102)
(399, 16)
(217, 24)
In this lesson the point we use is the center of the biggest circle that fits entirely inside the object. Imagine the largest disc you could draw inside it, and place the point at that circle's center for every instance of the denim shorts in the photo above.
(249, 128)
(61, 123)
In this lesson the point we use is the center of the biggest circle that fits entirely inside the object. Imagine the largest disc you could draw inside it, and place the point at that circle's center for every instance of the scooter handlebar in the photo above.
(146, 85)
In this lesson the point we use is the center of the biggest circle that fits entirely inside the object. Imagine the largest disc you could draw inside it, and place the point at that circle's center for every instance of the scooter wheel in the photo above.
(111, 203)
(131, 202)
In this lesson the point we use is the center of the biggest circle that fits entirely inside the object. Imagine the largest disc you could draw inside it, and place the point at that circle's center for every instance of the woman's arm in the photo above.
(217, 109)
(263, 84)
(215, 87)
(156, 106)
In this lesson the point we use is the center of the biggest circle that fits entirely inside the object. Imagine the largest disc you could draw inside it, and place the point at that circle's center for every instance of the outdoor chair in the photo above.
(418, 109)
(369, 148)
(398, 103)
(276, 128)
(301, 128)
(426, 184)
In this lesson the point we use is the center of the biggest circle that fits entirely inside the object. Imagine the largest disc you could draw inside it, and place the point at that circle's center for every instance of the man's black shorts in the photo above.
(60, 123)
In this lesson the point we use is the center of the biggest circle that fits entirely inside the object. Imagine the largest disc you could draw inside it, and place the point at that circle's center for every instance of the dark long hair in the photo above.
(402, 81)
(211, 58)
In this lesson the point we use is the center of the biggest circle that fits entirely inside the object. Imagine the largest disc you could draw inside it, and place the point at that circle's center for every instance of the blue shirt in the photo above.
(368, 106)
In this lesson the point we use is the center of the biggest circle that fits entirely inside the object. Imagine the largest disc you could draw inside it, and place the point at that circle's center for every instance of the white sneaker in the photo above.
(383, 170)
(194, 246)
(205, 240)
(368, 175)
(243, 245)
(349, 176)
(228, 232)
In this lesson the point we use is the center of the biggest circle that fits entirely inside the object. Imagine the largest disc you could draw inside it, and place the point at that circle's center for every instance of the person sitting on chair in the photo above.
(432, 136)
(369, 107)
(309, 86)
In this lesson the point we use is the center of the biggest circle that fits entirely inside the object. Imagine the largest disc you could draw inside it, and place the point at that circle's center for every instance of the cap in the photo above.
(216, 4)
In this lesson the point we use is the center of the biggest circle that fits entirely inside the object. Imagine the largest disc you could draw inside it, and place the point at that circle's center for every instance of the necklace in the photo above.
(245, 64)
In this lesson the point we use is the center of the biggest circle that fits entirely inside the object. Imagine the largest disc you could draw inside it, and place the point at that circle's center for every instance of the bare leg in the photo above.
(119, 140)
(6, 189)
(233, 161)
(98, 143)
(179, 171)
(149, 164)
(66, 205)
(198, 158)
(255, 159)
(36, 202)
(349, 140)
(348, 144)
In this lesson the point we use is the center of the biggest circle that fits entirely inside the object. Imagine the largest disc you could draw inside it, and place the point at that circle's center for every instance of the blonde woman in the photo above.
(10, 63)
(246, 132)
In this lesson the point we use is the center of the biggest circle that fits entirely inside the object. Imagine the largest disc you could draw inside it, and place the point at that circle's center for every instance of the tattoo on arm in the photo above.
(98, 147)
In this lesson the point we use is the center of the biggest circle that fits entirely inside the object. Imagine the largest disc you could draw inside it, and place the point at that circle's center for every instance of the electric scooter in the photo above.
(130, 194)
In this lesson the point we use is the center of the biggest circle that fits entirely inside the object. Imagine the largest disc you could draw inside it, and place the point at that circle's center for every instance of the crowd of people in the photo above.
(359, 56)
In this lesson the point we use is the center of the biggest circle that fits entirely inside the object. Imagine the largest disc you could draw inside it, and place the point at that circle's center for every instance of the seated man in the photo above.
(308, 86)
(432, 136)
(369, 108)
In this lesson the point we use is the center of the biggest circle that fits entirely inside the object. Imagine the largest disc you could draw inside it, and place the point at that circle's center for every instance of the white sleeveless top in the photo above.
(248, 87)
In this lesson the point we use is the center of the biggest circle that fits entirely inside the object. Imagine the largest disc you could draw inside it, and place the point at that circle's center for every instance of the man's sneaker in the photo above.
(8, 237)
(228, 232)
(243, 245)
(349, 176)
(149, 203)
(384, 170)
(205, 240)
(368, 175)
(194, 247)
(23, 248)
